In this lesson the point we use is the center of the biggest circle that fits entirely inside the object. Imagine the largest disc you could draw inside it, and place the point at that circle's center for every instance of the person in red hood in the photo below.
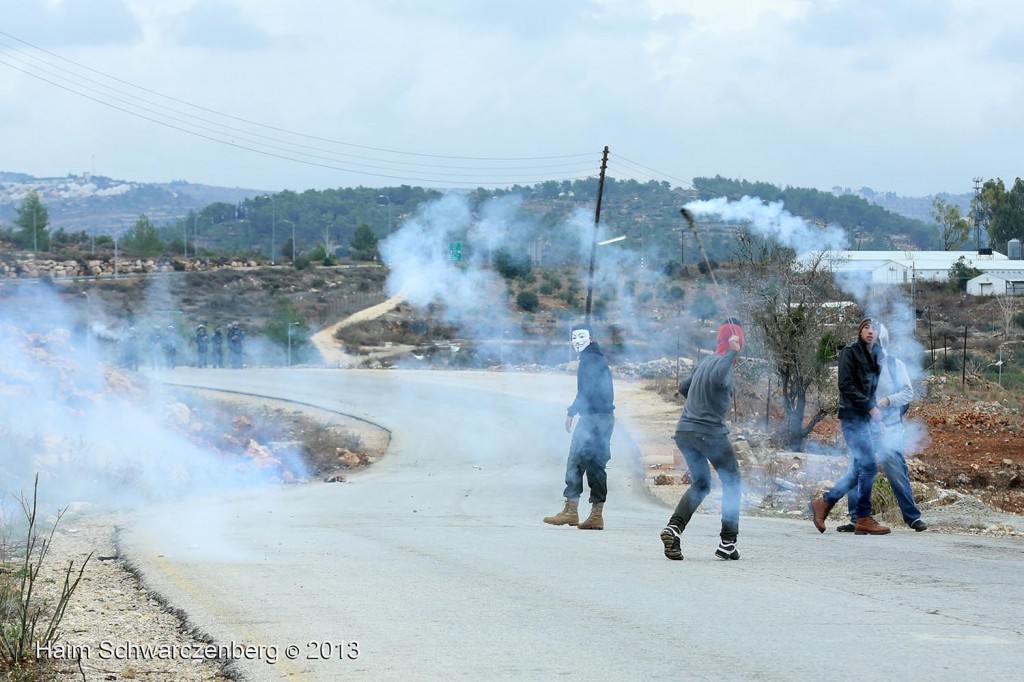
(703, 438)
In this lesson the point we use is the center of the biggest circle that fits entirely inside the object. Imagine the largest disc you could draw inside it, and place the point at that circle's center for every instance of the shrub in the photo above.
(28, 623)
(527, 301)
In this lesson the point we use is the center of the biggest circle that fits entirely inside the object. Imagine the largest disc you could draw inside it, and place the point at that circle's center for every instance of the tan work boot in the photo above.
(595, 521)
(868, 526)
(568, 516)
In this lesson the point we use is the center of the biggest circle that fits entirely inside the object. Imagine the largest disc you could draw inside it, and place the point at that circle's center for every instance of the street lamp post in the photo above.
(385, 199)
(290, 325)
(88, 324)
(273, 225)
(643, 240)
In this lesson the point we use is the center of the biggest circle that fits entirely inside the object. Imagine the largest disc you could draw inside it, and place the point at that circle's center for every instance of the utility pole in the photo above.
(593, 243)
(975, 211)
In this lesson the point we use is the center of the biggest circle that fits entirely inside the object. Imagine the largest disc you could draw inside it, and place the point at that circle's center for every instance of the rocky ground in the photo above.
(971, 462)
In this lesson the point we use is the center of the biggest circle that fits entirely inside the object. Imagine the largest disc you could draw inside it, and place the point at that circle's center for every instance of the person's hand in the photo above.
(876, 414)
(734, 342)
(886, 404)
(568, 424)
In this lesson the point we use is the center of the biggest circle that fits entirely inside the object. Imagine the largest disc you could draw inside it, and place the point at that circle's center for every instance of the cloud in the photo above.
(220, 26)
(70, 22)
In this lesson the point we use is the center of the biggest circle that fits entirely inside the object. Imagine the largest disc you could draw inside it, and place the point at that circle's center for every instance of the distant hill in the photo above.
(101, 205)
(916, 208)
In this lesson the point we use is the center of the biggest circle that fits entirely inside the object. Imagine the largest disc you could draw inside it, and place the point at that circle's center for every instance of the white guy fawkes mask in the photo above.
(580, 339)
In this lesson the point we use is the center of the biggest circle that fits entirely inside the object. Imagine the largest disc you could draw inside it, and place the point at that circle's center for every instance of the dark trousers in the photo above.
(703, 451)
(589, 452)
(861, 475)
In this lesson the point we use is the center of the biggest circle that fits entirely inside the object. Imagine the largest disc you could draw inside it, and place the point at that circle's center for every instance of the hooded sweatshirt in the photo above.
(594, 391)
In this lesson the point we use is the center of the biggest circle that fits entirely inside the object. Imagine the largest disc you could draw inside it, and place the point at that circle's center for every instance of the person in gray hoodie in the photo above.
(702, 436)
(895, 391)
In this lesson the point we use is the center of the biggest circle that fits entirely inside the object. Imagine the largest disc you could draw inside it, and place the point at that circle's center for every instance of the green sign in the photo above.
(455, 252)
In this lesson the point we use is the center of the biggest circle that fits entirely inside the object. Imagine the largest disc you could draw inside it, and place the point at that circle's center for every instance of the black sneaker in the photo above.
(845, 528)
(727, 550)
(919, 525)
(670, 538)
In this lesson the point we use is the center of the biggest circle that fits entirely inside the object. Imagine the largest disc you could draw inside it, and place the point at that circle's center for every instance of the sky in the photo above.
(916, 97)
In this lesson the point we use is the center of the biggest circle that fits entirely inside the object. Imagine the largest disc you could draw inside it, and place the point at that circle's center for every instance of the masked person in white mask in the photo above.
(590, 449)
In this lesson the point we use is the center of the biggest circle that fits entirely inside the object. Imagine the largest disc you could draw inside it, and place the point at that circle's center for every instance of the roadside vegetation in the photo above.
(30, 616)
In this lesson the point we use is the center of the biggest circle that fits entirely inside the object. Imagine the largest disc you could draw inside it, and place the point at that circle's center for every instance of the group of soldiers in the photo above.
(210, 347)
(162, 346)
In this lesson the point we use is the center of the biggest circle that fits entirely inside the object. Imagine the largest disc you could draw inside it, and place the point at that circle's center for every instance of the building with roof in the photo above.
(906, 267)
(989, 284)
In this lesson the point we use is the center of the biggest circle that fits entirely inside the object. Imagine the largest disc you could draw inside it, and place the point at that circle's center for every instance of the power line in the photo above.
(283, 130)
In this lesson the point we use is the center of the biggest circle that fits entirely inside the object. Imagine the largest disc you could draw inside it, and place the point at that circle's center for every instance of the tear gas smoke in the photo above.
(92, 437)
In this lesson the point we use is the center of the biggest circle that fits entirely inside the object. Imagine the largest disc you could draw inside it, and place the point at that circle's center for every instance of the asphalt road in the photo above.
(436, 562)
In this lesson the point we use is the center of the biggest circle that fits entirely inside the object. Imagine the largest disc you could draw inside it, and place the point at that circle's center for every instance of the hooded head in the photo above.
(580, 337)
(730, 327)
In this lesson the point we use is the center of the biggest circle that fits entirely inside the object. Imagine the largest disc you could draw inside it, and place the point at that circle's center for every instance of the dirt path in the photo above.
(333, 353)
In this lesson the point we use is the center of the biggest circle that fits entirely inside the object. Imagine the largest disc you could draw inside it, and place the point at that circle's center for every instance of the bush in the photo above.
(527, 301)
(512, 265)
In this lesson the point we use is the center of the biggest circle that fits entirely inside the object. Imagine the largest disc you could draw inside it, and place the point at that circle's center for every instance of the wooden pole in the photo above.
(593, 243)
(963, 364)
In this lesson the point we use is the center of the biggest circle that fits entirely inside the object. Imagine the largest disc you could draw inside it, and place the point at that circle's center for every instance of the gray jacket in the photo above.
(898, 389)
(708, 390)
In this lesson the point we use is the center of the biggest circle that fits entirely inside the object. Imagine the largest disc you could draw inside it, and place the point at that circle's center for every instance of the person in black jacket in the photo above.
(590, 448)
(859, 369)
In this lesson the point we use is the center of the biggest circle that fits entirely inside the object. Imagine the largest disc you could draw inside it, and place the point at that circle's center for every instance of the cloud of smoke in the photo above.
(771, 219)
(476, 298)
(90, 436)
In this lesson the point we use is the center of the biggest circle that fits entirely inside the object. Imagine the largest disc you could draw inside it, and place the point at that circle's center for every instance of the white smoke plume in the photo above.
(93, 438)
(771, 219)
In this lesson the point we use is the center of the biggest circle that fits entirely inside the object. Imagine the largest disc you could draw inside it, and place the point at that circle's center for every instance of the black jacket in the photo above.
(594, 392)
(858, 379)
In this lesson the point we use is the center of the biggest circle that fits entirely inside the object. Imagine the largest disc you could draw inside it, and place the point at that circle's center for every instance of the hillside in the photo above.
(99, 205)
(249, 222)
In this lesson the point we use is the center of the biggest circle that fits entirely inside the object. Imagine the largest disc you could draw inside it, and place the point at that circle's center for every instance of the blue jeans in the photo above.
(701, 450)
(859, 479)
(895, 468)
(589, 452)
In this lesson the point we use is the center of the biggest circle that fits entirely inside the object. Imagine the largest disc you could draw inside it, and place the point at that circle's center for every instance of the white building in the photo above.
(990, 284)
(905, 267)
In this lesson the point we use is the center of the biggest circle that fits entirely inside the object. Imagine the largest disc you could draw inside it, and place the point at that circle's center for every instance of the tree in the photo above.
(960, 272)
(704, 307)
(33, 221)
(953, 227)
(1001, 211)
(527, 301)
(286, 327)
(512, 264)
(1008, 306)
(364, 243)
(143, 239)
(785, 302)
